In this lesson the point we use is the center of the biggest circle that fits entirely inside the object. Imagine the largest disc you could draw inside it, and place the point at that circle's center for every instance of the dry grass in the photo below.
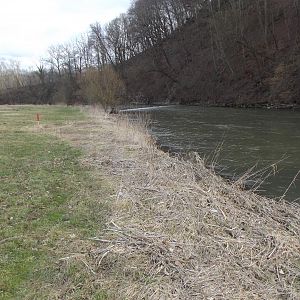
(178, 231)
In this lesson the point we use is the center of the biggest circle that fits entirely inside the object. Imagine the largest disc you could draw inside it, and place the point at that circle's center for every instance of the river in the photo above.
(237, 140)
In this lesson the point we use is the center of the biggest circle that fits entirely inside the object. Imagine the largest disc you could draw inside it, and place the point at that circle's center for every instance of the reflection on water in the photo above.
(248, 137)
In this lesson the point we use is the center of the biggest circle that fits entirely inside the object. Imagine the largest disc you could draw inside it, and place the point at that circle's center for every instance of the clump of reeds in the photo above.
(178, 231)
(133, 129)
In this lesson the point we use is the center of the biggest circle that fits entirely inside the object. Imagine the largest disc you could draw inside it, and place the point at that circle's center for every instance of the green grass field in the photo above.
(49, 207)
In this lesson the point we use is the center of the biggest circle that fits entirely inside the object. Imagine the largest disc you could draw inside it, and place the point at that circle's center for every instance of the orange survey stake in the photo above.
(38, 118)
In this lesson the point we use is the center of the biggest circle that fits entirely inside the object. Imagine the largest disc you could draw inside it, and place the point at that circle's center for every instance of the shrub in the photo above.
(103, 87)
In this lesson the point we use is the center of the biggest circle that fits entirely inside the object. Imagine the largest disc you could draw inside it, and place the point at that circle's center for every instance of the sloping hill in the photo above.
(230, 58)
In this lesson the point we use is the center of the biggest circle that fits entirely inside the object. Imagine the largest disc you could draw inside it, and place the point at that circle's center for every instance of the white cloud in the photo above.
(28, 28)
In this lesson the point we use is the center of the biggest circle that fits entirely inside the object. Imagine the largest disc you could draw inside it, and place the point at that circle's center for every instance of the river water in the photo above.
(237, 140)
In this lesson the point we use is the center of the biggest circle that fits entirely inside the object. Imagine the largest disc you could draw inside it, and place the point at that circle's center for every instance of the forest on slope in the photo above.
(214, 52)
(239, 53)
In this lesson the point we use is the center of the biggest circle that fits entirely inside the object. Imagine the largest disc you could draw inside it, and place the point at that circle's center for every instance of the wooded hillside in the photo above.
(235, 53)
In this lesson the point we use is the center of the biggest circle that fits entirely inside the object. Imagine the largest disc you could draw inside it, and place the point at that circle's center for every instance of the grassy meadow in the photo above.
(49, 207)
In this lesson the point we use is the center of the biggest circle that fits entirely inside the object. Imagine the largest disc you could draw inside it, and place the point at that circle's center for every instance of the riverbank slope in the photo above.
(174, 230)
(178, 231)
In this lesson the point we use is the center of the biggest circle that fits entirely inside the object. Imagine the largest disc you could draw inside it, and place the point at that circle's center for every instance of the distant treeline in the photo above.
(168, 49)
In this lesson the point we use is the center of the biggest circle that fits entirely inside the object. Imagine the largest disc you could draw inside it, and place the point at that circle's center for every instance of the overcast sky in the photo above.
(29, 27)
